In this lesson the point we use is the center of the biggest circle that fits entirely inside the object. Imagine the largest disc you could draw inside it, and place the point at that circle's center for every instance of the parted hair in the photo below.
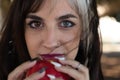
(13, 49)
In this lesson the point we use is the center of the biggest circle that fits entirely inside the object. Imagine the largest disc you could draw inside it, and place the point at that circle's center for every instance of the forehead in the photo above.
(55, 6)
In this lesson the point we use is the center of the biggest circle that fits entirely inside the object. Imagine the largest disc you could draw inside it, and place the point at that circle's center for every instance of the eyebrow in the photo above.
(34, 17)
(66, 16)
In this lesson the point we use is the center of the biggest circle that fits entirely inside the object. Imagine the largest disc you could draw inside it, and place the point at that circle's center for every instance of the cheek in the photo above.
(72, 48)
(72, 37)
(32, 42)
(71, 41)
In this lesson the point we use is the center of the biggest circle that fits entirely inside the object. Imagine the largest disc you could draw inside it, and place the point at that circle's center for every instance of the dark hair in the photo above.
(91, 56)
(13, 49)
(13, 30)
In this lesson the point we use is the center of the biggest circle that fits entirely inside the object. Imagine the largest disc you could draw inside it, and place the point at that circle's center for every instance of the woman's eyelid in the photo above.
(70, 21)
(33, 21)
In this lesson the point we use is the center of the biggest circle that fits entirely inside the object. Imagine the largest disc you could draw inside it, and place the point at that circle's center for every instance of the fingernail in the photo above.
(35, 59)
(42, 70)
(56, 64)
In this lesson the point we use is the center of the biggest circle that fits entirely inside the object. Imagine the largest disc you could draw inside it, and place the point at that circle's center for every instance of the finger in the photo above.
(20, 70)
(37, 75)
(75, 64)
(71, 72)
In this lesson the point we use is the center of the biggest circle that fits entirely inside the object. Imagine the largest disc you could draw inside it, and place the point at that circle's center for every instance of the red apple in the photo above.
(49, 62)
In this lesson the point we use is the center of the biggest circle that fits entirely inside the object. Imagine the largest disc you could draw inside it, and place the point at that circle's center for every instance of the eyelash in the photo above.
(36, 24)
(65, 24)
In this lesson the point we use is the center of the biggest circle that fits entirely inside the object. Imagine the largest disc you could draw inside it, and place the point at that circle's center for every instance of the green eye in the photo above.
(66, 24)
(35, 24)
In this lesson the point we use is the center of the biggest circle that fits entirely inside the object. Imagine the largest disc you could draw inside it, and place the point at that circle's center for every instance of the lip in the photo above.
(55, 54)
(51, 55)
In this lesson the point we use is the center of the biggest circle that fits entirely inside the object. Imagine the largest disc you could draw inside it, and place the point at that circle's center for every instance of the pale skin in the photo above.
(51, 31)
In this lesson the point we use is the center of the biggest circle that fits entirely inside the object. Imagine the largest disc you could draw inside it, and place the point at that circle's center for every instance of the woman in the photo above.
(35, 27)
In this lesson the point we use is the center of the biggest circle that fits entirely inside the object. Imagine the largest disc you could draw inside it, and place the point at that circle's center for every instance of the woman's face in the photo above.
(53, 29)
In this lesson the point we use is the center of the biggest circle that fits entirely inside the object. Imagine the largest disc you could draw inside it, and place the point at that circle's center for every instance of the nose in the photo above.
(51, 40)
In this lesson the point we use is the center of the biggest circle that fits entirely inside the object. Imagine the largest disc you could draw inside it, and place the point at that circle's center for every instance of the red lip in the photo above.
(50, 56)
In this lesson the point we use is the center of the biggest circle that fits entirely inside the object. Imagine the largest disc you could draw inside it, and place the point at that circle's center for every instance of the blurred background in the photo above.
(109, 13)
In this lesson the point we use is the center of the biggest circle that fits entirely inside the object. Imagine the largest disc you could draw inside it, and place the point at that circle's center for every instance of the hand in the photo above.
(19, 72)
(74, 69)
